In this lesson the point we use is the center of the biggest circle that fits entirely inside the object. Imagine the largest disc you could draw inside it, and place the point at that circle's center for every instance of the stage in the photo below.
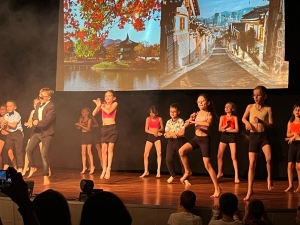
(150, 200)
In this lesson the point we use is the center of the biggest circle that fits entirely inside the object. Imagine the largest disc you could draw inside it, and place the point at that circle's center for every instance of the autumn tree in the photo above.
(99, 16)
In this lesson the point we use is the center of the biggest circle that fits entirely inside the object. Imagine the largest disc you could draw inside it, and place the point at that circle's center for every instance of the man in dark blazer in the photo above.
(43, 122)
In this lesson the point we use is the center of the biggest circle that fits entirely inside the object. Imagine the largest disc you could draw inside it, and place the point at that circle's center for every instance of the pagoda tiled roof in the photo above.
(256, 13)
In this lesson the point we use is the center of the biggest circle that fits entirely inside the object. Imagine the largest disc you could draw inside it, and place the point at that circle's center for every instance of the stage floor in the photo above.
(156, 191)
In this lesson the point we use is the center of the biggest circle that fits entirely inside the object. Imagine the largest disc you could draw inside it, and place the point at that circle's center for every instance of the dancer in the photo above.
(96, 138)
(109, 133)
(28, 124)
(202, 121)
(257, 118)
(43, 122)
(174, 132)
(3, 134)
(154, 128)
(228, 125)
(293, 138)
(14, 139)
(84, 124)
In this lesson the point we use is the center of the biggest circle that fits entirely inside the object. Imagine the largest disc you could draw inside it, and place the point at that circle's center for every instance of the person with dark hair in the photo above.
(228, 208)
(105, 206)
(183, 215)
(174, 132)
(201, 121)
(51, 207)
(255, 213)
(257, 119)
(293, 138)
(153, 127)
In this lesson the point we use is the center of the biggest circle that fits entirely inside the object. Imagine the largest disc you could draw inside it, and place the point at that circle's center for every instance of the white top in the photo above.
(40, 110)
(184, 218)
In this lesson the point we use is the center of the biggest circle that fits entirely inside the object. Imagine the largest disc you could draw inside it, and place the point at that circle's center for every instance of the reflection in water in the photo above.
(90, 80)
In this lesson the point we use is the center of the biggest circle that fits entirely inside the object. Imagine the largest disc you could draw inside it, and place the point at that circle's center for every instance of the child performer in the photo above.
(84, 124)
(109, 133)
(293, 138)
(174, 132)
(260, 118)
(154, 128)
(12, 120)
(28, 124)
(228, 125)
(3, 135)
(202, 121)
(96, 138)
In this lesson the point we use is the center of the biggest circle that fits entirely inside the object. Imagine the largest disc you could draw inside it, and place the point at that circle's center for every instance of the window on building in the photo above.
(182, 23)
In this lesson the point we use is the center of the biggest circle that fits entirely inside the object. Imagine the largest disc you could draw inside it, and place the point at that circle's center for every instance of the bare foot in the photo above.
(219, 175)
(185, 177)
(20, 170)
(158, 174)
(103, 174)
(46, 180)
(217, 193)
(144, 174)
(49, 172)
(297, 190)
(24, 171)
(31, 172)
(236, 180)
(289, 188)
(248, 196)
(107, 174)
(83, 171)
(170, 180)
(5, 167)
(92, 170)
(270, 185)
(187, 183)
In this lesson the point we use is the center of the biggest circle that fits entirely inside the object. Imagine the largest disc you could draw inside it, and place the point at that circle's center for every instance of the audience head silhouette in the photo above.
(108, 207)
(228, 204)
(188, 200)
(51, 207)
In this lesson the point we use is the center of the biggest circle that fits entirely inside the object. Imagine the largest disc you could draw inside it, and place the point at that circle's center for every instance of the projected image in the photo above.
(172, 44)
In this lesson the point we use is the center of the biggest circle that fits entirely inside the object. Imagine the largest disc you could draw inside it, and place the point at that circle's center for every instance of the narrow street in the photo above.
(219, 71)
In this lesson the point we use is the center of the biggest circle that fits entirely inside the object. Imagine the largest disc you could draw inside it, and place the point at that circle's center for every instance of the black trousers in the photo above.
(172, 147)
(14, 140)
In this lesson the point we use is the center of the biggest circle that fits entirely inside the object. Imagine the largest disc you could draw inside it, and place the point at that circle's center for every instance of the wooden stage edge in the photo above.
(157, 192)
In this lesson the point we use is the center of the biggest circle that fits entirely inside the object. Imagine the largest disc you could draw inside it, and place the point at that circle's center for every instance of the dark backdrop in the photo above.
(28, 46)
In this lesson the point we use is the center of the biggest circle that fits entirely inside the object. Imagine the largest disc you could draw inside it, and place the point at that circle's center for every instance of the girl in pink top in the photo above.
(109, 132)
(154, 128)
(229, 126)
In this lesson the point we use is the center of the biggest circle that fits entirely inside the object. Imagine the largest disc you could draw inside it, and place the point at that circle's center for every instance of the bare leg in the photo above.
(187, 147)
(267, 151)
(83, 158)
(221, 149)
(234, 162)
(12, 158)
(298, 173)
(109, 159)
(98, 147)
(213, 177)
(158, 152)
(251, 173)
(91, 159)
(104, 160)
(290, 168)
(46, 180)
(147, 150)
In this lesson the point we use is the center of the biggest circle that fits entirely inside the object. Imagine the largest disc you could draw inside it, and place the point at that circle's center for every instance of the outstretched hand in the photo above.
(97, 102)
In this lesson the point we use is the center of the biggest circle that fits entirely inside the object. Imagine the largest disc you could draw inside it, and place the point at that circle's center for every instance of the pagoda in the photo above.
(126, 49)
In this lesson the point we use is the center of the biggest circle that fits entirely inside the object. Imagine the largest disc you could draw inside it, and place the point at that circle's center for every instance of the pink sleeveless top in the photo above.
(111, 115)
(154, 124)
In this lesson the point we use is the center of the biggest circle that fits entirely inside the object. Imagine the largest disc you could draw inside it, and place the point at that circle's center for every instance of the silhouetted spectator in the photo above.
(51, 208)
(104, 208)
(255, 214)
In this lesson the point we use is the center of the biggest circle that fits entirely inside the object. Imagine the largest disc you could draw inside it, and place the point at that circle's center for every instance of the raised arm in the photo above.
(111, 109)
(98, 106)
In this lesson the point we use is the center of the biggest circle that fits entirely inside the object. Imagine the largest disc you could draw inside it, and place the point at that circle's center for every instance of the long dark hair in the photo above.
(210, 107)
(296, 105)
